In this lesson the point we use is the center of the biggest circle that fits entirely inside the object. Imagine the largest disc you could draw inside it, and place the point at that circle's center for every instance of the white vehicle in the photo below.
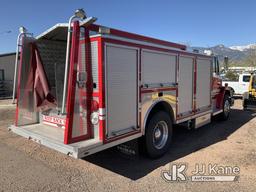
(120, 86)
(238, 87)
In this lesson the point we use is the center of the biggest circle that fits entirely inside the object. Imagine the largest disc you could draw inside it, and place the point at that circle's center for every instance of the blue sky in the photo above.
(196, 22)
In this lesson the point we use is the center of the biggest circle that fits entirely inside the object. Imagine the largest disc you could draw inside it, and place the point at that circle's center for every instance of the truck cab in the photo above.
(249, 97)
(239, 86)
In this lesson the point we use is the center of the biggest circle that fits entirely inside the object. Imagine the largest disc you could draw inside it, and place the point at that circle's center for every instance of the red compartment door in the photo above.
(77, 128)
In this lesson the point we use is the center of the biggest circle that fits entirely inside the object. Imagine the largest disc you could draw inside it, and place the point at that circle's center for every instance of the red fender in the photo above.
(220, 97)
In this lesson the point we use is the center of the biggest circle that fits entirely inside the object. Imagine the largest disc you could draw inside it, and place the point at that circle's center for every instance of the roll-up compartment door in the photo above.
(185, 85)
(158, 68)
(121, 89)
(203, 83)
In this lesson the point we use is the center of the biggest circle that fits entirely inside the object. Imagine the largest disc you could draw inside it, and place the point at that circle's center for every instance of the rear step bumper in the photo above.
(249, 103)
(250, 107)
(76, 150)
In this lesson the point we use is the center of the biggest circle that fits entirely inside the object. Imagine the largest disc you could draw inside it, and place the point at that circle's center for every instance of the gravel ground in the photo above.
(27, 166)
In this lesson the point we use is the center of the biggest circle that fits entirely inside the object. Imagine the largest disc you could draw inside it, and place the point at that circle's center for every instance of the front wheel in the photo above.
(158, 134)
(226, 108)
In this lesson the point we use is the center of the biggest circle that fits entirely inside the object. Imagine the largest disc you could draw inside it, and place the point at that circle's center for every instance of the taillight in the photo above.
(94, 105)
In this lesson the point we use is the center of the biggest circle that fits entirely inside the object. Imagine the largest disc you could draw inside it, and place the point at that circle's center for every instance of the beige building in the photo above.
(7, 62)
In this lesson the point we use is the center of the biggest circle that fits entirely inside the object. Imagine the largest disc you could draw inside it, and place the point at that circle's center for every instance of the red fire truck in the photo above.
(83, 88)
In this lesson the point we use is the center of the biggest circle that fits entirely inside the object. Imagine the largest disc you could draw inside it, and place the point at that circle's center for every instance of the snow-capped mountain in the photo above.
(234, 53)
(243, 47)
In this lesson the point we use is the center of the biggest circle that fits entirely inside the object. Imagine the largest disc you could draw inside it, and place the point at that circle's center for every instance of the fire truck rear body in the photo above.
(117, 81)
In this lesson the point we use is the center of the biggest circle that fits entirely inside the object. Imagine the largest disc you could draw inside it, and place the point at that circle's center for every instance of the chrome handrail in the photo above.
(87, 21)
(21, 34)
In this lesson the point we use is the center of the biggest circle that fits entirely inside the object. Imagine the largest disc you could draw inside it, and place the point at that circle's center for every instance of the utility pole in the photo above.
(226, 63)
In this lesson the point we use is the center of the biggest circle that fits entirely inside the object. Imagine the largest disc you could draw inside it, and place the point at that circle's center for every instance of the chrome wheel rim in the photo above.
(160, 134)
(226, 107)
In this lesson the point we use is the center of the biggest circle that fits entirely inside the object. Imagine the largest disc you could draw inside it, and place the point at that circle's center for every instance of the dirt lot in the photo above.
(27, 166)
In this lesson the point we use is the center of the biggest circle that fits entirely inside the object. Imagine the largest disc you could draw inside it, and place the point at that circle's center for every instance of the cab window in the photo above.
(246, 78)
(215, 65)
(254, 82)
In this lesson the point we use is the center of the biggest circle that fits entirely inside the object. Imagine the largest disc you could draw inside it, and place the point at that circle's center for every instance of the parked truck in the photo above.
(249, 97)
(240, 86)
(83, 88)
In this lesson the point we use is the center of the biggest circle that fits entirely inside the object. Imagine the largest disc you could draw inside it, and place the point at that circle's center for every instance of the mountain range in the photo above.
(234, 53)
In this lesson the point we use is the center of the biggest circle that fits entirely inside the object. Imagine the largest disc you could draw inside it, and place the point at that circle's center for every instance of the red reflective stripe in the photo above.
(152, 90)
(89, 83)
(134, 36)
(83, 41)
(94, 94)
(101, 86)
(123, 42)
(72, 83)
(102, 129)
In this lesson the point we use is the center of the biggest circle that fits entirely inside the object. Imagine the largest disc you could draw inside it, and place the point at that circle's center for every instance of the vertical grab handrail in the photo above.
(66, 64)
(79, 14)
(15, 68)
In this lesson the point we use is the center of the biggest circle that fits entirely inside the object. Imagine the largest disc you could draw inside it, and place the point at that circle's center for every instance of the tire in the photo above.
(232, 92)
(244, 104)
(226, 108)
(158, 135)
